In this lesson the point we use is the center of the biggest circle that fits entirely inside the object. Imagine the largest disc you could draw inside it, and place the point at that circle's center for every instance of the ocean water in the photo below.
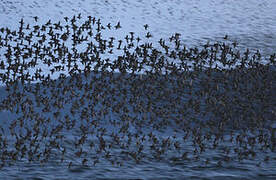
(180, 162)
(251, 23)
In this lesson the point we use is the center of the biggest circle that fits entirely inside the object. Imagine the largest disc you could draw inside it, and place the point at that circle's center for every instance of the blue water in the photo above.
(251, 23)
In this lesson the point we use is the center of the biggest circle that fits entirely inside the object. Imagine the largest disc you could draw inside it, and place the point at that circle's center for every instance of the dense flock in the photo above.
(77, 97)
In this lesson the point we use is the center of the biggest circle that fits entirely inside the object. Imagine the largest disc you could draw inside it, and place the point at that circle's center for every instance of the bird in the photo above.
(118, 26)
(66, 19)
(146, 26)
(35, 18)
(108, 25)
(147, 90)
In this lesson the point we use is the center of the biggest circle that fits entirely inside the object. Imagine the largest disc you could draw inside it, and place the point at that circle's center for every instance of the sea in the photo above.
(250, 23)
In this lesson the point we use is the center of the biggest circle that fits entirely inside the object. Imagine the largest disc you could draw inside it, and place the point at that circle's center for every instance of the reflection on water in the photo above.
(251, 23)
(168, 128)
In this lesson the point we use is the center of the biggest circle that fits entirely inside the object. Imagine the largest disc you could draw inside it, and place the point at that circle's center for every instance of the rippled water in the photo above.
(148, 168)
(171, 165)
(252, 23)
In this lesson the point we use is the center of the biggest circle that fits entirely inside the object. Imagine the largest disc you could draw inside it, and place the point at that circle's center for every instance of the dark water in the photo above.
(170, 167)
(173, 164)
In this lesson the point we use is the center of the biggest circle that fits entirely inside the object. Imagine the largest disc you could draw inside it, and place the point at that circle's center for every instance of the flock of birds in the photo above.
(148, 103)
